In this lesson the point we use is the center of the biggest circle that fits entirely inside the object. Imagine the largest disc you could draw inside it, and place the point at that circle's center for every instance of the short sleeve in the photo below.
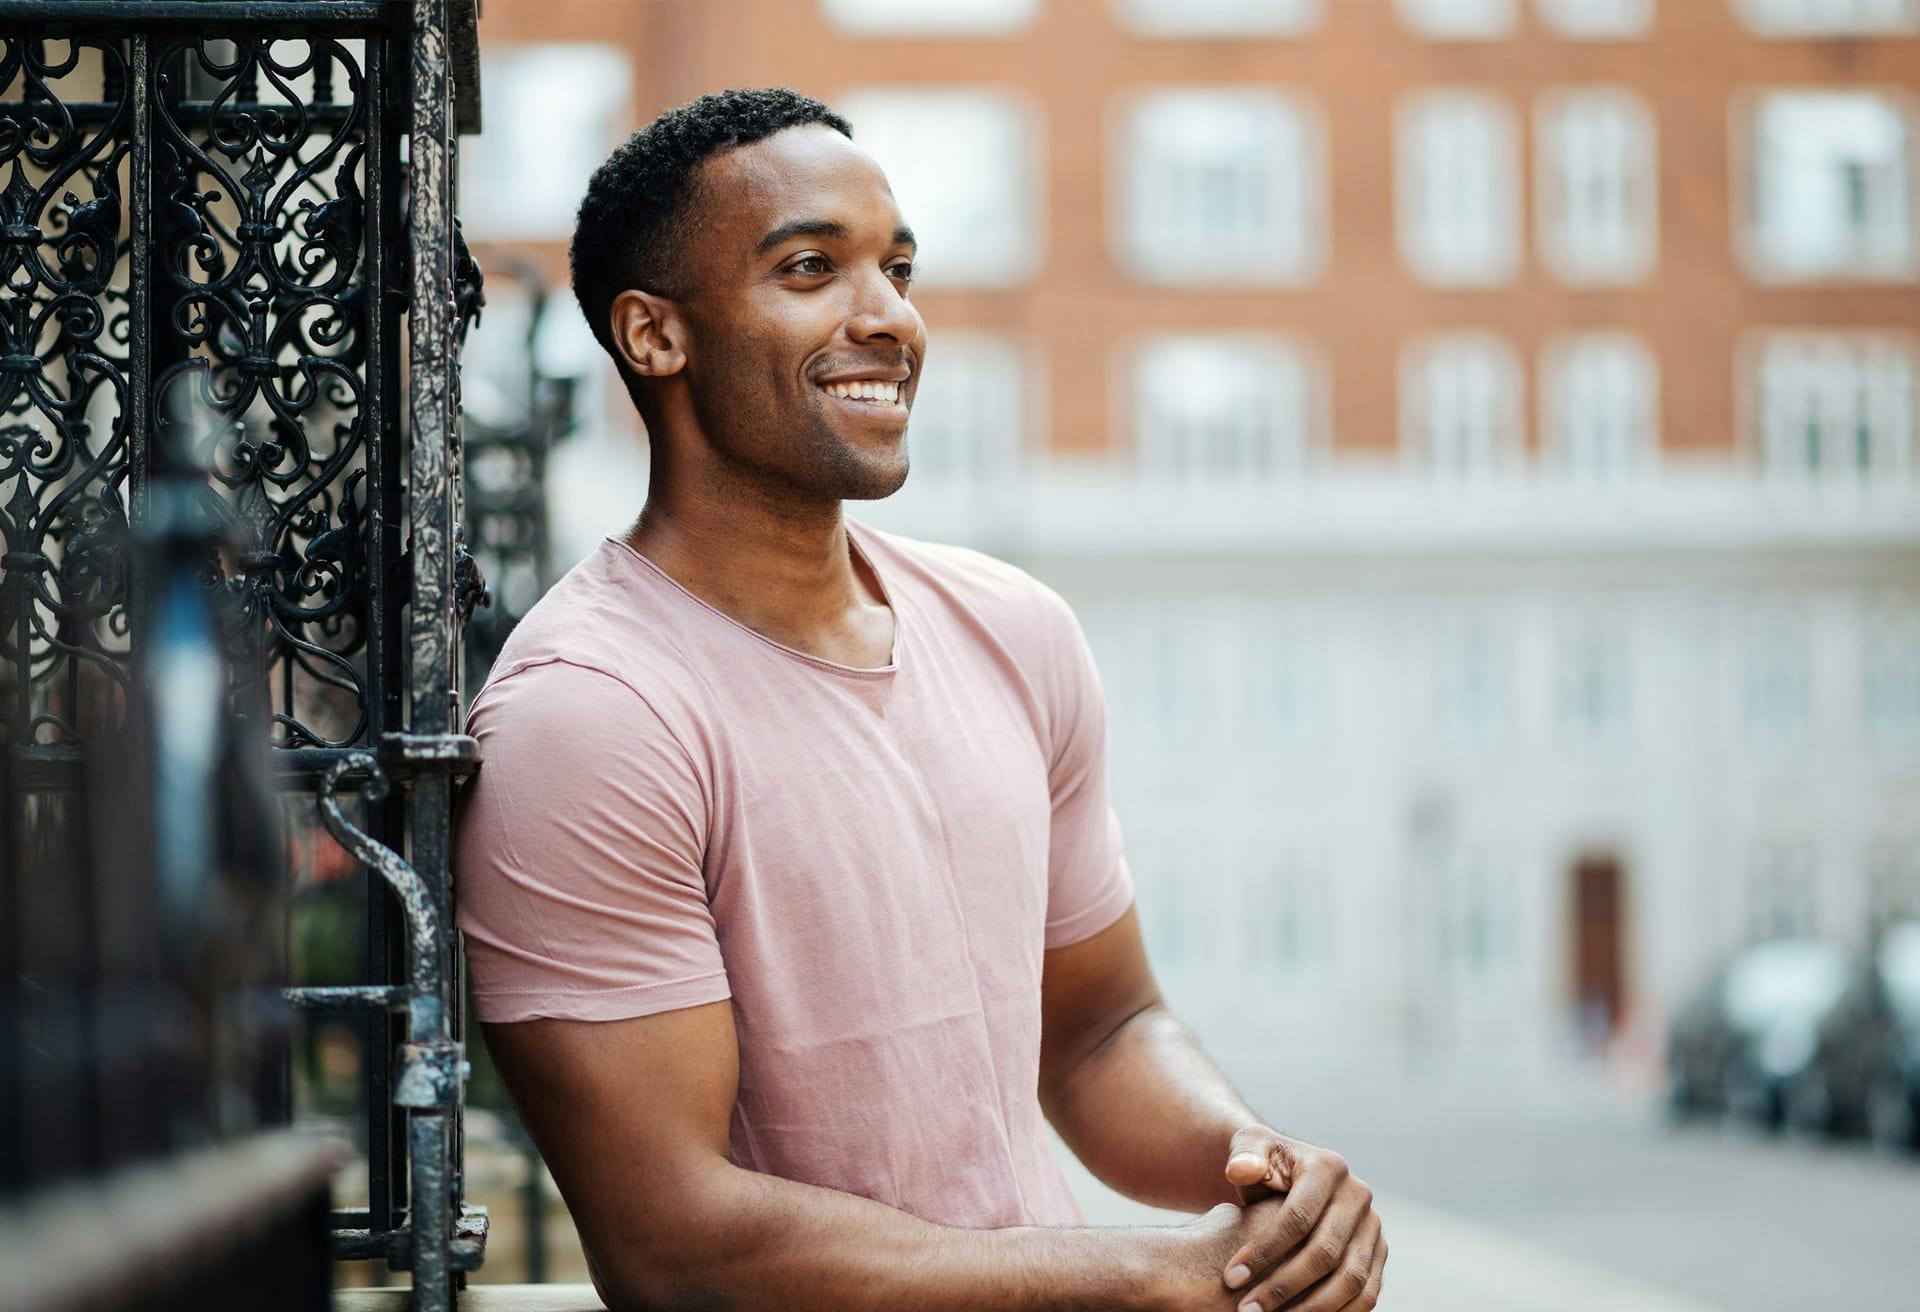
(1088, 883)
(578, 854)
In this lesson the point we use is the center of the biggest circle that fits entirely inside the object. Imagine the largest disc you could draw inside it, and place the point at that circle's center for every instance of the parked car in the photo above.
(1865, 1071)
(1744, 1038)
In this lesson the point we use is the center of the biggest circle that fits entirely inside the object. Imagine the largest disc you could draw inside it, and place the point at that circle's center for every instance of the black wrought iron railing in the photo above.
(221, 224)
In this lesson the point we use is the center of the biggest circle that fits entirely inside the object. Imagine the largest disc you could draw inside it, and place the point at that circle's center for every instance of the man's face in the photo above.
(804, 353)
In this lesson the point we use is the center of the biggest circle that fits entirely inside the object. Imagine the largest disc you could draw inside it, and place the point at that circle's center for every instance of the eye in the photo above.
(901, 271)
(809, 266)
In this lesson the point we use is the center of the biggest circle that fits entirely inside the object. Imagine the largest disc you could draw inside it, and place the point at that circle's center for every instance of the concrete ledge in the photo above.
(479, 1298)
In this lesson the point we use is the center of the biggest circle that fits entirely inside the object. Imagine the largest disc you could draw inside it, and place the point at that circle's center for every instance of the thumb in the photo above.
(1251, 1158)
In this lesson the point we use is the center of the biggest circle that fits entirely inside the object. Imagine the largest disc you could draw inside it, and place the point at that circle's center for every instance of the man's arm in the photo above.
(632, 1117)
(1132, 1093)
(1125, 1084)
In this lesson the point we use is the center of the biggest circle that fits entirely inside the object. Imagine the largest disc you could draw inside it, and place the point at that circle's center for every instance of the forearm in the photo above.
(741, 1239)
(1150, 1114)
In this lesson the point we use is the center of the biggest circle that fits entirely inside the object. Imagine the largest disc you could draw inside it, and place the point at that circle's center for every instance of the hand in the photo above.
(1321, 1250)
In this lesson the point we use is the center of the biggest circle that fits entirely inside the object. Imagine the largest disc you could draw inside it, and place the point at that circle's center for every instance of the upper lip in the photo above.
(870, 376)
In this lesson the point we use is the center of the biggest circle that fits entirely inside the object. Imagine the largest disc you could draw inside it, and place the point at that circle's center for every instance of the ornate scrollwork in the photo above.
(63, 387)
(258, 358)
(260, 196)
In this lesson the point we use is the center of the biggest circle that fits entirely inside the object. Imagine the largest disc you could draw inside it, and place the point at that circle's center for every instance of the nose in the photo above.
(881, 313)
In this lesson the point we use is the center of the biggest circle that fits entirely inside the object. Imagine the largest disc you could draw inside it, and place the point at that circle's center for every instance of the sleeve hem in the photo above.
(496, 1006)
(1091, 919)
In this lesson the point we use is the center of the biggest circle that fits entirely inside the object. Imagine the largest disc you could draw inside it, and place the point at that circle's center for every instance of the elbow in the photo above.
(673, 1264)
(637, 1285)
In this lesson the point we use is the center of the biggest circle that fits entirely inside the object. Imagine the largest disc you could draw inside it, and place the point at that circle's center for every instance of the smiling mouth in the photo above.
(875, 392)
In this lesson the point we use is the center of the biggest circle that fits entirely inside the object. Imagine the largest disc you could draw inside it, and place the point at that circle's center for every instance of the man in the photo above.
(794, 901)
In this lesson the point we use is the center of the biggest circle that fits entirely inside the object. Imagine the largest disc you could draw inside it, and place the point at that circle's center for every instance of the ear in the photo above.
(649, 334)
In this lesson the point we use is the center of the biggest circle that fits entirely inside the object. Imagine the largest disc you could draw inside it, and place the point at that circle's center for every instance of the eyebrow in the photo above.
(902, 235)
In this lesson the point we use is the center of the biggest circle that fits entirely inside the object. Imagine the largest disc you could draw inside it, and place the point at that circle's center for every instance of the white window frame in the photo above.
(1474, 678)
(1773, 679)
(1889, 256)
(1431, 240)
(1460, 20)
(1617, 241)
(1206, 18)
(1567, 403)
(1163, 459)
(1831, 375)
(1788, 19)
(1610, 634)
(931, 18)
(1162, 231)
(1890, 667)
(1596, 20)
(1499, 436)
(953, 251)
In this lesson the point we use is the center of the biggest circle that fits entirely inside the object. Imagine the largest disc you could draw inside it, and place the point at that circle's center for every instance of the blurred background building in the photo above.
(1477, 435)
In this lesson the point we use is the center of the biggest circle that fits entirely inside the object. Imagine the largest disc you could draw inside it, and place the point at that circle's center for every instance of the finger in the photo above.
(1346, 1284)
(1324, 1252)
(1253, 1193)
(1279, 1229)
(1370, 1296)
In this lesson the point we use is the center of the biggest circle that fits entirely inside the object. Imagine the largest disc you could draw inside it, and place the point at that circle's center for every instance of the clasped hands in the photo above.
(1305, 1236)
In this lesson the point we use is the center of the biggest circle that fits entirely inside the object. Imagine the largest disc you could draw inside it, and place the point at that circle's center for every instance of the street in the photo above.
(1552, 1194)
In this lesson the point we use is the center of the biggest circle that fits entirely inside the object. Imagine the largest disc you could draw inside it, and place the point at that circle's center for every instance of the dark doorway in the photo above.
(1599, 956)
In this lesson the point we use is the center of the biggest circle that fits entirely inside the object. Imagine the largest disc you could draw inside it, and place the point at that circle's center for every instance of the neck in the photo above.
(779, 568)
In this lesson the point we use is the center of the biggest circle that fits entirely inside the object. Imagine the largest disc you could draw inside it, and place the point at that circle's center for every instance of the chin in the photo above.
(876, 484)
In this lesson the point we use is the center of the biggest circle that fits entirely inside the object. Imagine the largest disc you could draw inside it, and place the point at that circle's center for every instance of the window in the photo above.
(1775, 677)
(1222, 409)
(965, 169)
(1830, 187)
(1789, 18)
(1457, 198)
(1460, 405)
(1599, 406)
(554, 112)
(1178, 915)
(1479, 933)
(1596, 20)
(1837, 406)
(1283, 677)
(1458, 20)
(1218, 17)
(1593, 682)
(1598, 214)
(970, 415)
(1289, 911)
(1473, 677)
(1890, 695)
(1221, 186)
(931, 17)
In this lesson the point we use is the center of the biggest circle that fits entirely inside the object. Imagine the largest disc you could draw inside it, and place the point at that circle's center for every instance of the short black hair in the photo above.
(640, 204)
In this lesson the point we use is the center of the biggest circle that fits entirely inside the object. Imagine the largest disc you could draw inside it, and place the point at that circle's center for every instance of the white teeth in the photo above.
(866, 390)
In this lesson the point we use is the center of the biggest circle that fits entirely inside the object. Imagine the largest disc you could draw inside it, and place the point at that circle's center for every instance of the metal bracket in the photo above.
(431, 1075)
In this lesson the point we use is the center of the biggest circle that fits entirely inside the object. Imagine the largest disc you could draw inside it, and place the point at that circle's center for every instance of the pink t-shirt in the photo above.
(674, 809)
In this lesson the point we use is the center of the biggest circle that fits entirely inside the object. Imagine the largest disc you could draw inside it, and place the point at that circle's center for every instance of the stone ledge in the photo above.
(479, 1298)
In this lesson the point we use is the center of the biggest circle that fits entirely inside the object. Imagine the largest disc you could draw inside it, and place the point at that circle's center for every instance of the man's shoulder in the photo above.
(973, 579)
(594, 642)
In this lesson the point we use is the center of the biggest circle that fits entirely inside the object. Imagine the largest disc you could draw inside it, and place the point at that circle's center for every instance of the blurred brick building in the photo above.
(1478, 435)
